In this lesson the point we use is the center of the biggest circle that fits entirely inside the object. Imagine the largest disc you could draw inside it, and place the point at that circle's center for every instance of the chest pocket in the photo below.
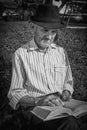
(59, 75)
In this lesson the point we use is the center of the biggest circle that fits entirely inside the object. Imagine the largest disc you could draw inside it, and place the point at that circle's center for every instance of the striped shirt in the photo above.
(36, 73)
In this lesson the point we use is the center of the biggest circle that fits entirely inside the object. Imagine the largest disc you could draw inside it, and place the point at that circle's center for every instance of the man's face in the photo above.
(44, 37)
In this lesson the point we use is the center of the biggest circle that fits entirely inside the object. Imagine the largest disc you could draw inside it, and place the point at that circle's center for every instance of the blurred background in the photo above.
(73, 12)
(15, 32)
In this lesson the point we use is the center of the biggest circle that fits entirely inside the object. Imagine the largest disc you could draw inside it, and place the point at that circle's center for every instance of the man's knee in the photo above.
(72, 123)
(71, 118)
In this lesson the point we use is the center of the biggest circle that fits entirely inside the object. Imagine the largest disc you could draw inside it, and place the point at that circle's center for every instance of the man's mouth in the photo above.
(45, 39)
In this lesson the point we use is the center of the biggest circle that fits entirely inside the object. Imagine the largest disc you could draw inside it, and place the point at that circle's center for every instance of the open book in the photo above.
(73, 107)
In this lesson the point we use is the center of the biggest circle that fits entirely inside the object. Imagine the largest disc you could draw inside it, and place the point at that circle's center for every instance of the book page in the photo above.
(80, 111)
(72, 107)
(73, 103)
(59, 112)
(40, 112)
(48, 112)
(78, 107)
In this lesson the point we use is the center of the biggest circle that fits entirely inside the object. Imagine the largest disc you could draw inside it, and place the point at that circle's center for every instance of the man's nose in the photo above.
(49, 35)
(50, 32)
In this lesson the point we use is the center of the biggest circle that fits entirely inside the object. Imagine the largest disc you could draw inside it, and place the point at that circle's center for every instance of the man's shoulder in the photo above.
(59, 48)
(23, 48)
(26, 46)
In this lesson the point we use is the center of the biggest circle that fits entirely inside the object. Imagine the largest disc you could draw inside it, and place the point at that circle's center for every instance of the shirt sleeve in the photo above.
(68, 83)
(17, 91)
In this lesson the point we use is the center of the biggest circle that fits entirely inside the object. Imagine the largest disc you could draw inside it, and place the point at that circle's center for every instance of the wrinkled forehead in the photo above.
(40, 28)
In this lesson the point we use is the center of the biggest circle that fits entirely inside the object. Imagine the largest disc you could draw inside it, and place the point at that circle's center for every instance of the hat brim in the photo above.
(52, 25)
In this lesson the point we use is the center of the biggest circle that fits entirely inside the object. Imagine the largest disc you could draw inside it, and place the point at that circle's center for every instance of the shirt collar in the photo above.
(33, 46)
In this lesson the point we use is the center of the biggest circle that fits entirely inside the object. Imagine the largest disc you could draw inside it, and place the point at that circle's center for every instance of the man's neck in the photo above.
(41, 49)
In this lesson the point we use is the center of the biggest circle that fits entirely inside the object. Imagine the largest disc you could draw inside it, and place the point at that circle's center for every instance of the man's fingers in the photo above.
(48, 103)
(51, 104)
(55, 102)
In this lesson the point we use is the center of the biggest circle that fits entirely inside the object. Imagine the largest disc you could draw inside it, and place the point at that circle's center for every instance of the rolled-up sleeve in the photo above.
(17, 91)
(68, 83)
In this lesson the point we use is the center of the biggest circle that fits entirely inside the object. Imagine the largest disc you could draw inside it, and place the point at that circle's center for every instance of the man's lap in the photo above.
(31, 122)
(37, 124)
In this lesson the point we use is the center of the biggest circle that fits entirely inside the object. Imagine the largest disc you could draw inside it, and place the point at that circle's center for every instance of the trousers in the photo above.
(25, 120)
(65, 123)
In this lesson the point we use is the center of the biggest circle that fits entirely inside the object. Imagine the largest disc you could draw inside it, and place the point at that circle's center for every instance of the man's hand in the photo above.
(26, 102)
(66, 95)
(50, 100)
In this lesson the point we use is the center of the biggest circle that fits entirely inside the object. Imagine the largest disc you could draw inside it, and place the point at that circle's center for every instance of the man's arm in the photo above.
(17, 92)
(68, 83)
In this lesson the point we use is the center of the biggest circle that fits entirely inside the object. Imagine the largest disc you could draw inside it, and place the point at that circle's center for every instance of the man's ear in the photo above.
(32, 27)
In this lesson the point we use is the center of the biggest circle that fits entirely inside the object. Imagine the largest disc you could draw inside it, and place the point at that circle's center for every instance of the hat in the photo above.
(47, 16)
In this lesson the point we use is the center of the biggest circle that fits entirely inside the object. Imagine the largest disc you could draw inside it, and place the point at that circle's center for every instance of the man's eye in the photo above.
(54, 31)
(45, 30)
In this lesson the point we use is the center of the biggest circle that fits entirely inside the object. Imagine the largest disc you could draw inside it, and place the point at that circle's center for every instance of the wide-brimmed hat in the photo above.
(47, 16)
